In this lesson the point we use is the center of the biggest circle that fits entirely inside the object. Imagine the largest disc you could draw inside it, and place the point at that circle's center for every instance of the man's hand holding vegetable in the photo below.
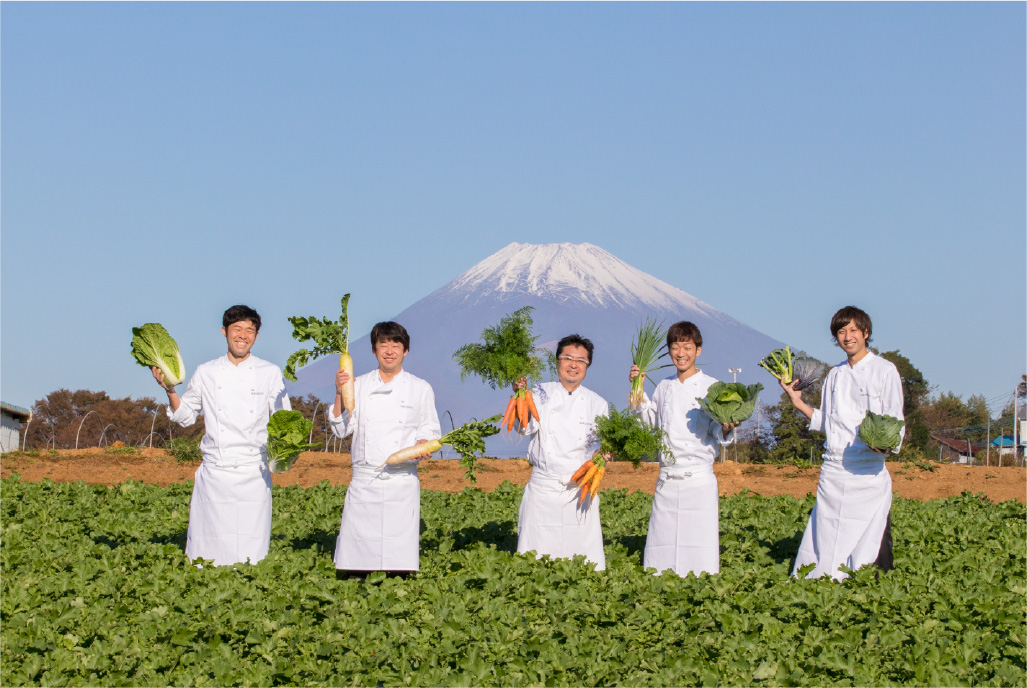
(725, 428)
(342, 377)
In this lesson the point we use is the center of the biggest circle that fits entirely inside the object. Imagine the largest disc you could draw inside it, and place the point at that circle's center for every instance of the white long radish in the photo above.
(468, 440)
(412, 453)
(348, 395)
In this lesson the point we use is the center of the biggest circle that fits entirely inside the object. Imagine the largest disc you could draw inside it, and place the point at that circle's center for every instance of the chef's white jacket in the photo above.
(871, 384)
(563, 437)
(692, 436)
(236, 401)
(388, 416)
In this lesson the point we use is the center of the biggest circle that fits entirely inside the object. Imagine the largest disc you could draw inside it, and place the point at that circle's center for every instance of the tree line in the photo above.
(780, 434)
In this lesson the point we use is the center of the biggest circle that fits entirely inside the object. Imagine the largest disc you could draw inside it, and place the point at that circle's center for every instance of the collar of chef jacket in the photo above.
(380, 386)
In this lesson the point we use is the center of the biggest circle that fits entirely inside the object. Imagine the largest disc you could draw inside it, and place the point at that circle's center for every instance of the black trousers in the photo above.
(885, 560)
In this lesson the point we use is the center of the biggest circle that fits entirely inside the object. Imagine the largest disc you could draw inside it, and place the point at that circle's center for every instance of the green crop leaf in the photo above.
(469, 441)
(506, 353)
(626, 437)
(329, 337)
(779, 364)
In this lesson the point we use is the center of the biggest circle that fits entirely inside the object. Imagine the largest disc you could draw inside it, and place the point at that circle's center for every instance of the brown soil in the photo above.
(154, 466)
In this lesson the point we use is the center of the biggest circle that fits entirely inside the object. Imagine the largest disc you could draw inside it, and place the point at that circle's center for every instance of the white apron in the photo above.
(381, 520)
(230, 513)
(550, 522)
(230, 509)
(848, 519)
(684, 530)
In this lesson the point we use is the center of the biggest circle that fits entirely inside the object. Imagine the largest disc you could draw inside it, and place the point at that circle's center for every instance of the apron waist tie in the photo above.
(236, 462)
(408, 468)
(675, 472)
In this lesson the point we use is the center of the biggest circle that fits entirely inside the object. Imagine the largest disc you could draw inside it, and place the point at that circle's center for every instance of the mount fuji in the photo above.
(573, 288)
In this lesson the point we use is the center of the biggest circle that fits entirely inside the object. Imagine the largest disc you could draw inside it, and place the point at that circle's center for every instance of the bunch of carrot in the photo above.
(521, 408)
(505, 356)
(589, 476)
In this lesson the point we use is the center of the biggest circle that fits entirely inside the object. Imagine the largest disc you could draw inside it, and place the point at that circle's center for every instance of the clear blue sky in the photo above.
(162, 161)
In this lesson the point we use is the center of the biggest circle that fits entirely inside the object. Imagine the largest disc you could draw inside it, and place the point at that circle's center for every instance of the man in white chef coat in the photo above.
(684, 525)
(230, 510)
(850, 524)
(551, 520)
(381, 515)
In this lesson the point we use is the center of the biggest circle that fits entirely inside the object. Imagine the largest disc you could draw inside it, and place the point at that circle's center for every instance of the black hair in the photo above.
(684, 331)
(238, 313)
(575, 340)
(854, 315)
(390, 331)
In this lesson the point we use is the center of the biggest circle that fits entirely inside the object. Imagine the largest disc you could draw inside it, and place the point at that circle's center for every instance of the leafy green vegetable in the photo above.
(626, 437)
(469, 441)
(881, 432)
(329, 336)
(730, 402)
(507, 353)
(96, 591)
(779, 364)
(648, 347)
(287, 434)
(153, 346)
(806, 371)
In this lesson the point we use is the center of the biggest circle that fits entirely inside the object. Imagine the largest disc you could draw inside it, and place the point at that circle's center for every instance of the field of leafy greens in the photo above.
(96, 590)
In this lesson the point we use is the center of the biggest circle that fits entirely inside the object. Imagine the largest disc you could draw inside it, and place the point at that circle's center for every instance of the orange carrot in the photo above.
(513, 415)
(509, 410)
(588, 475)
(531, 404)
(522, 410)
(581, 471)
(584, 494)
(596, 481)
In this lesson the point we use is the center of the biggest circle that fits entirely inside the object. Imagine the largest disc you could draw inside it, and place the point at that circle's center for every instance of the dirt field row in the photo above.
(154, 466)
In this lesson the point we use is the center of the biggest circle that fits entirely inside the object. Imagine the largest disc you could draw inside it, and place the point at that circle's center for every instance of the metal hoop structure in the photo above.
(83, 423)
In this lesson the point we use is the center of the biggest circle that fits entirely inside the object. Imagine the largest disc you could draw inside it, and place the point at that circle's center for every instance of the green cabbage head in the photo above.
(153, 346)
(730, 402)
(287, 433)
(881, 432)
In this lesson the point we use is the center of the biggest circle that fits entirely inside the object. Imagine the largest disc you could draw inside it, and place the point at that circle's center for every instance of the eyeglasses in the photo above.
(574, 359)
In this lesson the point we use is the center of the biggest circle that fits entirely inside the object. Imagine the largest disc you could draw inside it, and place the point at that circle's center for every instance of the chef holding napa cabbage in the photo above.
(230, 509)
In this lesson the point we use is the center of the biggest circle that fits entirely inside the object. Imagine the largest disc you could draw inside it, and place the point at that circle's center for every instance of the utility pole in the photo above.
(988, 455)
(1016, 421)
(757, 419)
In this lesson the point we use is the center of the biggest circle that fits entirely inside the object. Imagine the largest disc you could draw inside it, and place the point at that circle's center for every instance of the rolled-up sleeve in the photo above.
(428, 426)
(647, 409)
(342, 425)
(816, 421)
(279, 400)
(190, 403)
(892, 400)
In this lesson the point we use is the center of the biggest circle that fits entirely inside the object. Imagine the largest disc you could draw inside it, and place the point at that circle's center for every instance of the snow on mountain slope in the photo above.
(573, 288)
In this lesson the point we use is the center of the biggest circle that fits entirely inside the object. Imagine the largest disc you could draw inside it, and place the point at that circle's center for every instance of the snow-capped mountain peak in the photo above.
(572, 288)
(564, 272)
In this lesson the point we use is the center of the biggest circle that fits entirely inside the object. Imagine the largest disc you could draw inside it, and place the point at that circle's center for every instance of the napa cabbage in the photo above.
(287, 434)
(153, 346)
